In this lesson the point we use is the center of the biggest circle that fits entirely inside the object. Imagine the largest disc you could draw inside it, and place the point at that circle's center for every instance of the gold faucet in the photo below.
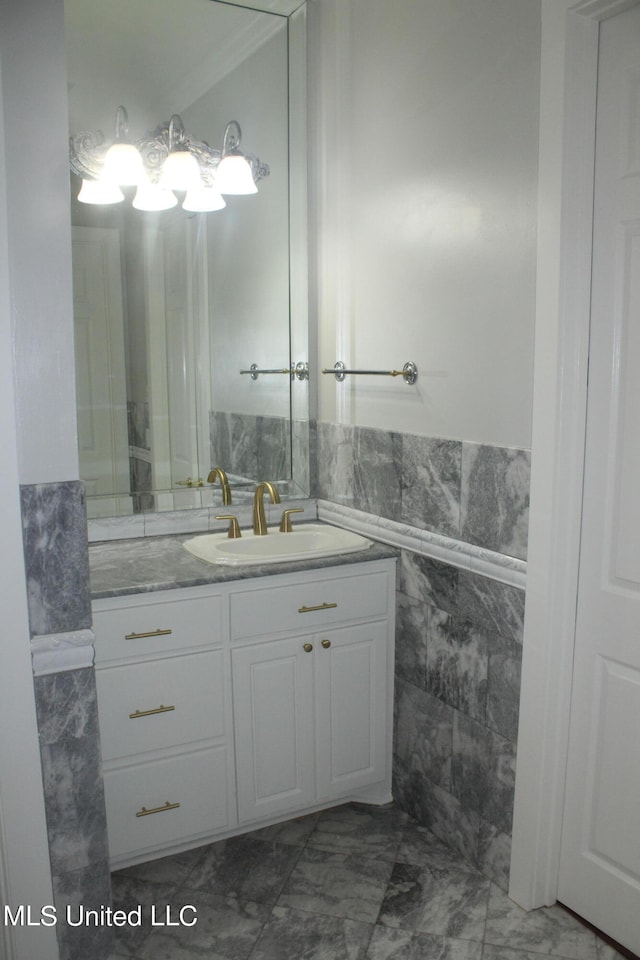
(259, 520)
(218, 473)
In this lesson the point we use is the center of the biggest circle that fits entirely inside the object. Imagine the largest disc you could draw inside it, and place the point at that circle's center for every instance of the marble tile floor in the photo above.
(352, 883)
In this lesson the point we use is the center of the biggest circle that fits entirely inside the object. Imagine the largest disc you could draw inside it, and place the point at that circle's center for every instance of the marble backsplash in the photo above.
(474, 492)
(459, 634)
(251, 446)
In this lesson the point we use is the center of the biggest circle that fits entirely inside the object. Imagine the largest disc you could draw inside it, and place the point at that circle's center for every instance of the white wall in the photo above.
(25, 873)
(34, 87)
(428, 117)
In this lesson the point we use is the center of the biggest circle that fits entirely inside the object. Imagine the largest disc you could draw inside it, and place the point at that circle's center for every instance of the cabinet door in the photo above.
(351, 708)
(273, 713)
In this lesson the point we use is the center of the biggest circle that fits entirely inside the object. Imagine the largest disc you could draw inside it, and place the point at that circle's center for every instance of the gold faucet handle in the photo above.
(234, 526)
(285, 523)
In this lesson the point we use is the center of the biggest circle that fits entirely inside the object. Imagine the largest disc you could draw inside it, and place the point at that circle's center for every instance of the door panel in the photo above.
(600, 852)
(351, 713)
(273, 716)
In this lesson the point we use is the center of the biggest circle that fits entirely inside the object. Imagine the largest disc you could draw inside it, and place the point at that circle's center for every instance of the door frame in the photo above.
(568, 87)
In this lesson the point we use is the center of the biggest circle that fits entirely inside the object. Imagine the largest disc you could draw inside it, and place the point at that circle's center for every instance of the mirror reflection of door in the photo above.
(177, 334)
(100, 364)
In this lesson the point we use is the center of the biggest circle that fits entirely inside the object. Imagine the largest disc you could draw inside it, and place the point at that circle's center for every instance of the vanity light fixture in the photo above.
(161, 164)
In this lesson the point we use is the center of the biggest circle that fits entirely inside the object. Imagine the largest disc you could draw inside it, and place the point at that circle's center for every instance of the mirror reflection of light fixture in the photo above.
(164, 161)
(97, 191)
(152, 196)
(180, 170)
(122, 164)
(234, 171)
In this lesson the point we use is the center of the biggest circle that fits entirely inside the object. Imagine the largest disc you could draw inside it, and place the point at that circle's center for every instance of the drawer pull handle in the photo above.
(307, 647)
(319, 606)
(166, 806)
(149, 713)
(326, 644)
(149, 633)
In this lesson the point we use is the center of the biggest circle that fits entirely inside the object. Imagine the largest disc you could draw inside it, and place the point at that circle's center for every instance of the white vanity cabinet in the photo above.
(230, 706)
(310, 668)
(164, 708)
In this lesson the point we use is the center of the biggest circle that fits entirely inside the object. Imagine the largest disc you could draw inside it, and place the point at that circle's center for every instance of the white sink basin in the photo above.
(303, 542)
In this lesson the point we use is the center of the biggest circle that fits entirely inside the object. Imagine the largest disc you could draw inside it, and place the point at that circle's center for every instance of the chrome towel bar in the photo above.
(409, 372)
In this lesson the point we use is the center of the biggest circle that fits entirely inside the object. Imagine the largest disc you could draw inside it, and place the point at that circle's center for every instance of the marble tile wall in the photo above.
(69, 743)
(474, 492)
(57, 566)
(251, 446)
(459, 634)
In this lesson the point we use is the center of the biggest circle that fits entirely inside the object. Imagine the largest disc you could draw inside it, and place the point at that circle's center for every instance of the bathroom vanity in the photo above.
(230, 698)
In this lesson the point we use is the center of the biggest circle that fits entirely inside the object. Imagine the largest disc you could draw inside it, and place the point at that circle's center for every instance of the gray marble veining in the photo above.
(478, 493)
(436, 808)
(493, 856)
(161, 563)
(337, 884)
(495, 498)
(412, 619)
(494, 606)
(394, 944)
(373, 832)
(257, 446)
(423, 734)
(291, 934)
(67, 714)
(430, 581)
(425, 902)
(437, 900)
(76, 821)
(234, 439)
(483, 771)
(503, 686)
(547, 930)
(56, 556)
(457, 663)
(377, 472)
(431, 479)
(245, 868)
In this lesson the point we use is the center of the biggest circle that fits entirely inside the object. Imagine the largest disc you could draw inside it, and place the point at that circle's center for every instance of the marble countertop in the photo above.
(121, 567)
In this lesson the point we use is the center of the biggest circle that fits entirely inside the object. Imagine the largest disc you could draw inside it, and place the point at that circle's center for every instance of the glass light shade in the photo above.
(204, 200)
(122, 165)
(151, 196)
(180, 171)
(99, 191)
(233, 175)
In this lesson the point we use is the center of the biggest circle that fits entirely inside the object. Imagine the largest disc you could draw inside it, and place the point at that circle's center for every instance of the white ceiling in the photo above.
(156, 57)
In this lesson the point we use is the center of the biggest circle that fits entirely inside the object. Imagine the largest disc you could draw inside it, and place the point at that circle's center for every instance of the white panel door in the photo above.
(351, 695)
(273, 719)
(103, 443)
(600, 853)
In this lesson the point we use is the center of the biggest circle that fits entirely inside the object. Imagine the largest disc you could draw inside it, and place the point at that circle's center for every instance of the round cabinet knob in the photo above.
(307, 647)
(326, 644)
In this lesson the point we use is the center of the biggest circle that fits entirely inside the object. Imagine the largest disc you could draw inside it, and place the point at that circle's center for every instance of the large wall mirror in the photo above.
(175, 309)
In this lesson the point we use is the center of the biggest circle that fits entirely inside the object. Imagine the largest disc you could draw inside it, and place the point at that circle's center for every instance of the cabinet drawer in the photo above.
(307, 606)
(151, 705)
(166, 801)
(154, 628)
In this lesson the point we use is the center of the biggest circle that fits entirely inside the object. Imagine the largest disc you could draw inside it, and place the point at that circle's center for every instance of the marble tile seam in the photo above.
(457, 553)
